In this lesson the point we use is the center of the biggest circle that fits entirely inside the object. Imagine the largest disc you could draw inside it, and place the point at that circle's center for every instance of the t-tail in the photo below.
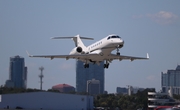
(80, 47)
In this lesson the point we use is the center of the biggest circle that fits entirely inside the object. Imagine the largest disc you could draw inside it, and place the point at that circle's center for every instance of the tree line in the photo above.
(123, 102)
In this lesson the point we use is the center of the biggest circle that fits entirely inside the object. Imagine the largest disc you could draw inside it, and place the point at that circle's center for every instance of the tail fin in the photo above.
(78, 42)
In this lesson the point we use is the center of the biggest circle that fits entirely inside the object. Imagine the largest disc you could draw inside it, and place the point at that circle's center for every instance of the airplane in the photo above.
(96, 52)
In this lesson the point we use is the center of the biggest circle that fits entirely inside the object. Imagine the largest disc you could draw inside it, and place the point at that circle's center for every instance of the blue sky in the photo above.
(145, 26)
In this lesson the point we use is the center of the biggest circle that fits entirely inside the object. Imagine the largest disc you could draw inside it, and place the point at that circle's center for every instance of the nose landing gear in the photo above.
(118, 53)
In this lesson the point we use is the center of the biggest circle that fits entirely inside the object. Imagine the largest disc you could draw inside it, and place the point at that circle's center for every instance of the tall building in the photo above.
(171, 79)
(93, 87)
(84, 74)
(17, 73)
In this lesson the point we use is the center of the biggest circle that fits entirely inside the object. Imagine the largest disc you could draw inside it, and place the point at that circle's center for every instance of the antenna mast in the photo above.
(41, 76)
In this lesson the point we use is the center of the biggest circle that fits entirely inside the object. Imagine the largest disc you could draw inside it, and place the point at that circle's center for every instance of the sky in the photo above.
(146, 27)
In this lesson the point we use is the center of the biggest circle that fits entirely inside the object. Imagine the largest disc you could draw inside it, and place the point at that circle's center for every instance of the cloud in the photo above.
(163, 17)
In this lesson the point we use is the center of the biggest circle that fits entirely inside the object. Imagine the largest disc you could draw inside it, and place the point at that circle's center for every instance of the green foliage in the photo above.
(6, 90)
(124, 102)
(52, 90)
(177, 97)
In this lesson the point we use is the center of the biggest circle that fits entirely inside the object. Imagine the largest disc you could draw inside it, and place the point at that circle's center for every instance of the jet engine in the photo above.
(77, 50)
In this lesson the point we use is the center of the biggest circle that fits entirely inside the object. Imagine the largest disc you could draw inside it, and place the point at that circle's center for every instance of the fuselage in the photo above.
(106, 45)
(103, 47)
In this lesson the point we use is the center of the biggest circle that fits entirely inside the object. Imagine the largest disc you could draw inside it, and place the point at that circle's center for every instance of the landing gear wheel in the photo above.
(86, 65)
(118, 53)
(106, 65)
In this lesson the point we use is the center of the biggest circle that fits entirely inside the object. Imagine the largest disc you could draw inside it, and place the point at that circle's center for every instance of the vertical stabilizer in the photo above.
(78, 42)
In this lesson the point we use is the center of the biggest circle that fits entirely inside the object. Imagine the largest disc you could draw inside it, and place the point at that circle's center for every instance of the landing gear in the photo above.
(118, 53)
(86, 65)
(106, 65)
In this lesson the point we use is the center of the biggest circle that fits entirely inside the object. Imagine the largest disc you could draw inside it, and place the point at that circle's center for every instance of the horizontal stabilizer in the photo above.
(76, 39)
(87, 38)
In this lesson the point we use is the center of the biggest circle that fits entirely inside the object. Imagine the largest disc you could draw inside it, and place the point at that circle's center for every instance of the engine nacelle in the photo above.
(79, 49)
(76, 50)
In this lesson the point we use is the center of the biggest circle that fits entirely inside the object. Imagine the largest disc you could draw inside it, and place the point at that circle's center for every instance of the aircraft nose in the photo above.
(122, 41)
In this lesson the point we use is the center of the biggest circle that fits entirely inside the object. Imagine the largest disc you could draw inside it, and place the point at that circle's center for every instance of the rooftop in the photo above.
(62, 86)
(178, 67)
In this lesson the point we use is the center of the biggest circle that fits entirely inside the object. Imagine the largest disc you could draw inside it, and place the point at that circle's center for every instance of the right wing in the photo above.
(123, 57)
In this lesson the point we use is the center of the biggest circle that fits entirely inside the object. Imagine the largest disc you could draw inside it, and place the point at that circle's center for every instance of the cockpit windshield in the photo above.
(113, 37)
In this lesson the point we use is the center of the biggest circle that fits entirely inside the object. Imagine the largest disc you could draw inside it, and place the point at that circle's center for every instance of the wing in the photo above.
(79, 56)
(90, 56)
(122, 57)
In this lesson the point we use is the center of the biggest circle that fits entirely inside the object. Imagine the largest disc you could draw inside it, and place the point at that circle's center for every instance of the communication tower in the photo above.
(41, 76)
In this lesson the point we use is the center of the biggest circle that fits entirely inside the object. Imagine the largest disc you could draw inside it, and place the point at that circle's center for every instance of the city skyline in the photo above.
(145, 26)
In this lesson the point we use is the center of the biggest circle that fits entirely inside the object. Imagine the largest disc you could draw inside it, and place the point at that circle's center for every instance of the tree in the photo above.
(124, 102)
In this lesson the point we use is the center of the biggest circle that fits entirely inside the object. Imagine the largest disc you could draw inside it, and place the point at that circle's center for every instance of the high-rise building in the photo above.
(171, 79)
(93, 87)
(84, 74)
(17, 73)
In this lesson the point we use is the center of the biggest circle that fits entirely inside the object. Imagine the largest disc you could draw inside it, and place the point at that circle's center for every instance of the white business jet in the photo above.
(96, 52)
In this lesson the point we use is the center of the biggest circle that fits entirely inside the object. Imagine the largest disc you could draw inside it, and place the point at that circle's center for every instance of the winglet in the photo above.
(28, 54)
(147, 56)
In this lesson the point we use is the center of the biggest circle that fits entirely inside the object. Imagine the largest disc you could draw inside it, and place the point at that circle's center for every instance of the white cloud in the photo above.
(163, 17)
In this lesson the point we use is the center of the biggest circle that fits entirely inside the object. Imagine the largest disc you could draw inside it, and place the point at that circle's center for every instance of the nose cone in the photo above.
(122, 41)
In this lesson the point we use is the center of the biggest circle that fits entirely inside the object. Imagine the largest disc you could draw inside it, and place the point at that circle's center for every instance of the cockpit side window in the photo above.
(113, 36)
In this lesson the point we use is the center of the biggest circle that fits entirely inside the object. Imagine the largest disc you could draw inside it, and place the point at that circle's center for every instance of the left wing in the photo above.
(79, 56)
(122, 57)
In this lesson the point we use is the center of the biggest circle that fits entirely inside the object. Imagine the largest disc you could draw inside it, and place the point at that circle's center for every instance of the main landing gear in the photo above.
(86, 65)
(106, 65)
